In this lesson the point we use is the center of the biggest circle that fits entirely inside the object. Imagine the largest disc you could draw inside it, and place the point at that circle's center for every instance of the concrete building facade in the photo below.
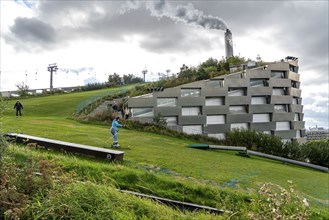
(263, 98)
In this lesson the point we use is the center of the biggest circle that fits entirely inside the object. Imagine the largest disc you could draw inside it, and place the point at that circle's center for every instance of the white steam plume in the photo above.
(186, 14)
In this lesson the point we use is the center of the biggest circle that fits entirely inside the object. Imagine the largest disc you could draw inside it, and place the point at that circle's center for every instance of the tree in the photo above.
(114, 79)
(22, 89)
(131, 79)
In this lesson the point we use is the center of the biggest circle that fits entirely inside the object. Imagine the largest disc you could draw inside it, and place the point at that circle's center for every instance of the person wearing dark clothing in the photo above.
(122, 112)
(18, 106)
(115, 107)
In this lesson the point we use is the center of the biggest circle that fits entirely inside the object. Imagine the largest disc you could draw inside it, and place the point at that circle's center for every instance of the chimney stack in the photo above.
(228, 43)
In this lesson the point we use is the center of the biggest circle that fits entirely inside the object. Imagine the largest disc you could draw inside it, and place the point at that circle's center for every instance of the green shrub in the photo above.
(317, 152)
(159, 121)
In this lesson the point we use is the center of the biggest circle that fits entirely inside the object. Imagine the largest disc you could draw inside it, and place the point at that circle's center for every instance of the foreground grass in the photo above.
(74, 187)
(161, 155)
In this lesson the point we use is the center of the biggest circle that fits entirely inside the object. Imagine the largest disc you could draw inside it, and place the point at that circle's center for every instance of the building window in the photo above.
(219, 136)
(239, 126)
(279, 91)
(237, 91)
(190, 92)
(296, 117)
(192, 129)
(166, 102)
(293, 68)
(258, 82)
(281, 108)
(142, 112)
(283, 126)
(238, 109)
(295, 84)
(295, 101)
(259, 100)
(215, 119)
(278, 74)
(171, 121)
(215, 83)
(188, 111)
(261, 118)
(215, 101)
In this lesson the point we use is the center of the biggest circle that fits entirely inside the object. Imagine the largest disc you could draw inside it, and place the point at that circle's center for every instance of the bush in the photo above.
(317, 152)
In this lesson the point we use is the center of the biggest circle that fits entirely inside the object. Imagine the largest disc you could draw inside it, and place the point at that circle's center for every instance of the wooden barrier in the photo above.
(103, 153)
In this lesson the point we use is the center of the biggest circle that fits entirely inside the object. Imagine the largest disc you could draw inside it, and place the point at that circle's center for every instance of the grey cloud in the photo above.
(300, 26)
(115, 20)
(31, 33)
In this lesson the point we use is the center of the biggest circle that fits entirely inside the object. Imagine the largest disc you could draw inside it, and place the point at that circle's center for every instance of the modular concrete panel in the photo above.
(296, 108)
(238, 118)
(238, 100)
(142, 102)
(167, 111)
(191, 101)
(259, 74)
(280, 83)
(289, 116)
(295, 92)
(266, 108)
(278, 99)
(215, 110)
(215, 92)
(279, 66)
(231, 82)
(297, 125)
(293, 76)
(263, 126)
(192, 120)
(259, 91)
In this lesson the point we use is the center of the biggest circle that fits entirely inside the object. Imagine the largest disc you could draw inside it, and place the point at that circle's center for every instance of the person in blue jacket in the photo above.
(114, 131)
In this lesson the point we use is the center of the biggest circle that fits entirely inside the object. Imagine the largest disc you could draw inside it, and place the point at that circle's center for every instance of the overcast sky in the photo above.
(91, 39)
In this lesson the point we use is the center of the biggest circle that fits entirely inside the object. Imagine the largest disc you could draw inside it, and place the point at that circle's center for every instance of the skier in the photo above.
(114, 131)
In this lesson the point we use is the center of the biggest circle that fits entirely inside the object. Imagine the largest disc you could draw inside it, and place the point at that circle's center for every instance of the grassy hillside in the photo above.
(161, 155)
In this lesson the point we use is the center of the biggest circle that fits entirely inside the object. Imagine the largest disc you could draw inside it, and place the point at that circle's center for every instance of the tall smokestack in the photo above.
(228, 43)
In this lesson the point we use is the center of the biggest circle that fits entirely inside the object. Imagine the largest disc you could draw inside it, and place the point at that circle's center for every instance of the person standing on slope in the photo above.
(18, 106)
(114, 131)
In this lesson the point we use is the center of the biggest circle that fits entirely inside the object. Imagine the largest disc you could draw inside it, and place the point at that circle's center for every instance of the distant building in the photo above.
(317, 133)
(264, 98)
